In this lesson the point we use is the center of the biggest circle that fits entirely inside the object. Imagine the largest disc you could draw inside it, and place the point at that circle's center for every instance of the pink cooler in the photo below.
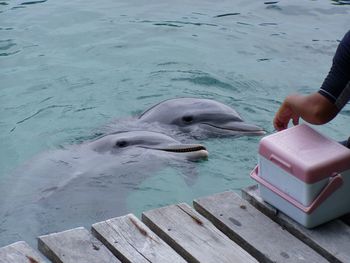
(304, 174)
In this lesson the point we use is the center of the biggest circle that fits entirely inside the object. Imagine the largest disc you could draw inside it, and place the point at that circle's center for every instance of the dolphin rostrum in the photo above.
(199, 117)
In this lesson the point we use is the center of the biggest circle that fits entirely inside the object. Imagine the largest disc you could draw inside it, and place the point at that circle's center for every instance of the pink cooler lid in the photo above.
(305, 153)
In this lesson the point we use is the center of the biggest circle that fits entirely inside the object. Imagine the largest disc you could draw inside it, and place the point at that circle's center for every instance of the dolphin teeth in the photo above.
(184, 150)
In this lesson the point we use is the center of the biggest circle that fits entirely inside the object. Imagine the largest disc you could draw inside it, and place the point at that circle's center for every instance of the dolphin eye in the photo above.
(187, 119)
(121, 144)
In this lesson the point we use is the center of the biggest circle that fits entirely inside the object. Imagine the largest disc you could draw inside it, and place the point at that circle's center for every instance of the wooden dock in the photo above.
(222, 228)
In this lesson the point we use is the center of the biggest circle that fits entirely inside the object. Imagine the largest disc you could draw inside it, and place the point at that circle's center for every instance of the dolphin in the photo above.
(201, 118)
(85, 183)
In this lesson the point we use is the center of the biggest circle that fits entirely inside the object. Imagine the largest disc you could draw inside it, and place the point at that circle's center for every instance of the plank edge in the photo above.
(167, 239)
(108, 245)
(230, 233)
(273, 214)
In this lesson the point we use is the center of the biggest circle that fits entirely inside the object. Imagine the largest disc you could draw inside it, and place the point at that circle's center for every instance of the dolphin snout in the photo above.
(237, 127)
(247, 128)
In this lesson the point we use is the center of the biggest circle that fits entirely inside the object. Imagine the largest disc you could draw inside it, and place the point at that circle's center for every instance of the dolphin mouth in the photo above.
(239, 127)
(185, 149)
(192, 152)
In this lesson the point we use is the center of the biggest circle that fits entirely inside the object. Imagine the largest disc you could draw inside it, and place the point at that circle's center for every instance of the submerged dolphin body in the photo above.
(200, 118)
(85, 183)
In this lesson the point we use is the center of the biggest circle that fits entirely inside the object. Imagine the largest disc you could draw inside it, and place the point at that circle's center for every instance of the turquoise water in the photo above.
(69, 68)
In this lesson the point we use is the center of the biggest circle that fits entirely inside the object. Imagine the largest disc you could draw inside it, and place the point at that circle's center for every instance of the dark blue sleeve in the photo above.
(336, 86)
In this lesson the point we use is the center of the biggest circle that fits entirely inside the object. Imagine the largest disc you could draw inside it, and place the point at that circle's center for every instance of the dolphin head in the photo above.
(136, 142)
(201, 117)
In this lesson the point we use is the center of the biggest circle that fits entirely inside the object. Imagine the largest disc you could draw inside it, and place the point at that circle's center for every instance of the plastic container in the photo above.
(304, 174)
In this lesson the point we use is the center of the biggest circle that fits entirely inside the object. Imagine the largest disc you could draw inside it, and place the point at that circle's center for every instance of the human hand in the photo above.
(284, 114)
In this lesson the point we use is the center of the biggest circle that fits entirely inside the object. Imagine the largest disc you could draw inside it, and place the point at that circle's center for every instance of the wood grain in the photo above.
(20, 252)
(132, 241)
(193, 236)
(75, 246)
(331, 240)
(255, 232)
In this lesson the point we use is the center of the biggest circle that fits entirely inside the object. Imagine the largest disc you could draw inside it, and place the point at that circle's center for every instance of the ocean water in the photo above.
(68, 68)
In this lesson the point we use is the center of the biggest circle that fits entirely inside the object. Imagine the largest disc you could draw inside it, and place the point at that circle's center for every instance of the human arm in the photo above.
(336, 86)
(313, 108)
(323, 106)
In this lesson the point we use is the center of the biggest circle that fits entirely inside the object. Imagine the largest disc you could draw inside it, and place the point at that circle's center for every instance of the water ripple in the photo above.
(201, 14)
(191, 23)
(341, 2)
(176, 23)
(177, 71)
(42, 110)
(149, 96)
(84, 109)
(75, 83)
(270, 2)
(166, 24)
(6, 44)
(268, 24)
(244, 24)
(46, 99)
(17, 7)
(167, 63)
(228, 14)
(206, 81)
(33, 2)
(5, 54)
(345, 112)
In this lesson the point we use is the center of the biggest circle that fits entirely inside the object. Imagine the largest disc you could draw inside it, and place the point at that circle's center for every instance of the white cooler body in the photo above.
(292, 175)
(334, 206)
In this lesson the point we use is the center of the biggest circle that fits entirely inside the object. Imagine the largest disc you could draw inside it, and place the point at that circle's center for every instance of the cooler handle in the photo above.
(281, 163)
(334, 183)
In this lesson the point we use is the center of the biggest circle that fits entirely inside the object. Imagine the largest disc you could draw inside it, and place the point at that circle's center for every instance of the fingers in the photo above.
(280, 125)
(295, 120)
(282, 118)
(284, 115)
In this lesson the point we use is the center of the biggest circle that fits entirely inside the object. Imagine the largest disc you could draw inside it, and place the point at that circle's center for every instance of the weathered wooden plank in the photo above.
(74, 246)
(19, 252)
(132, 241)
(255, 232)
(193, 236)
(331, 240)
